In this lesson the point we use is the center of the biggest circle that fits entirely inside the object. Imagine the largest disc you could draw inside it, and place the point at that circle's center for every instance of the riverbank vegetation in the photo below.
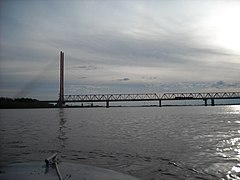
(6, 103)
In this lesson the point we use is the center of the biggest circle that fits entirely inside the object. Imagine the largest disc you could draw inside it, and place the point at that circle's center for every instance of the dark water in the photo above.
(149, 143)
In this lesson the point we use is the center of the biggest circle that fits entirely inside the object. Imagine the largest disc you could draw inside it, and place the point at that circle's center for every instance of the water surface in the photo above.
(149, 143)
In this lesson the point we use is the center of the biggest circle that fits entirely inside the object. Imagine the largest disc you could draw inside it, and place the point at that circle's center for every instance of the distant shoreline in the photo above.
(22, 103)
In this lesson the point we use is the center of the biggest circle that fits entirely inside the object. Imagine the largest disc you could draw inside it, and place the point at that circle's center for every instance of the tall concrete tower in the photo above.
(61, 93)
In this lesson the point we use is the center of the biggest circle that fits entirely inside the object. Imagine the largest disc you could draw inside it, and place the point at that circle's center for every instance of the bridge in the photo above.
(91, 98)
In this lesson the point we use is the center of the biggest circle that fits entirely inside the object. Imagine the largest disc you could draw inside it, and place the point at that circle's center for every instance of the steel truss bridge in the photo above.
(151, 97)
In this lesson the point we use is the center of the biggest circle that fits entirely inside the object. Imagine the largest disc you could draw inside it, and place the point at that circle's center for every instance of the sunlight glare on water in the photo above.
(234, 109)
(229, 147)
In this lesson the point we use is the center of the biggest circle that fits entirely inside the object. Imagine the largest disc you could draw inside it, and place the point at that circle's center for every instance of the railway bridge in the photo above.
(151, 97)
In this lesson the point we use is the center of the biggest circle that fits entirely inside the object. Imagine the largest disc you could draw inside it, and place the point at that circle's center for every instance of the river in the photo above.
(146, 142)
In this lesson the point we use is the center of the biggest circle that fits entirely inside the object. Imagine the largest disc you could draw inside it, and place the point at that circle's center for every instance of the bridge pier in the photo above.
(160, 103)
(212, 102)
(107, 104)
(205, 101)
(60, 104)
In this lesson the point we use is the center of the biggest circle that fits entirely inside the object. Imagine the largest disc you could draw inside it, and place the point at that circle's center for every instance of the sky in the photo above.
(126, 46)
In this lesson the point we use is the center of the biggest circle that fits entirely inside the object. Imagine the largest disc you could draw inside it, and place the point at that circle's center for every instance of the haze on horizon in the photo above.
(128, 46)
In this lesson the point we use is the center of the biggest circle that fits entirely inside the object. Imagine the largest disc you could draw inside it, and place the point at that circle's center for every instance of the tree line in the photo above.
(6, 103)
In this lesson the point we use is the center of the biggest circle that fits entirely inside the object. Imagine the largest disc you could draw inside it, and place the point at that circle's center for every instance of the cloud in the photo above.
(151, 46)
(223, 85)
(123, 79)
(86, 67)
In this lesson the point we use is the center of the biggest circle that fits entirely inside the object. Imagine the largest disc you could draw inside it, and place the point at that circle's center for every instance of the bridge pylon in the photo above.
(61, 93)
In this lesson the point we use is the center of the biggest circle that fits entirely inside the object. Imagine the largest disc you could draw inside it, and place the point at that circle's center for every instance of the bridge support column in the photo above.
(212, 102)
(205, 101)
(107, 104)
(160, 103)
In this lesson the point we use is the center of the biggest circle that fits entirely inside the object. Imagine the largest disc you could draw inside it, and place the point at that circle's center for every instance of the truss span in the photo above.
(150, 97)
(213, 95)
(111, 97)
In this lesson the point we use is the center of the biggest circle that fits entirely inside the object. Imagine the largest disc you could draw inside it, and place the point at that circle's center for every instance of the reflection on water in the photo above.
(62, 131)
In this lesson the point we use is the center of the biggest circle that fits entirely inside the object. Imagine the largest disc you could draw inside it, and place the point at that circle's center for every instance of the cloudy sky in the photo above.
(126, 46)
